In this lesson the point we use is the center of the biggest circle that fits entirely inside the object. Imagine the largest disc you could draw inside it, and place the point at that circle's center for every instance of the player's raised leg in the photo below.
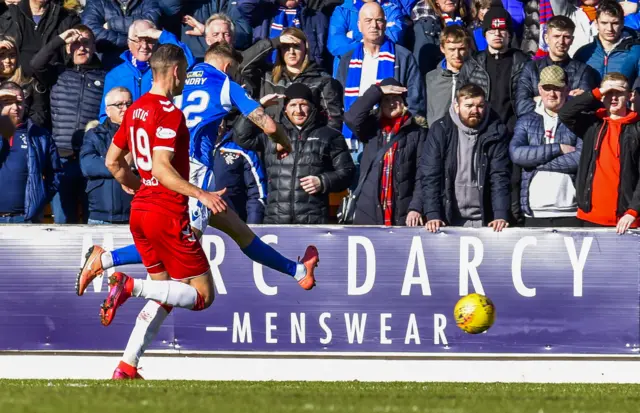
(97, 260)
(253, 247)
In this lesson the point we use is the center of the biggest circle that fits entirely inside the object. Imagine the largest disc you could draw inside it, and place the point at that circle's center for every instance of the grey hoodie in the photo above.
(468, 194)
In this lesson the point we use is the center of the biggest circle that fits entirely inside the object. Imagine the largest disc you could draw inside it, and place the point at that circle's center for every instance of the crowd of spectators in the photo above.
(423, 112)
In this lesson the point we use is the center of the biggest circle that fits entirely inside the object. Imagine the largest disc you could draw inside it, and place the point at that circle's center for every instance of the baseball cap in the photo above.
(553, 76)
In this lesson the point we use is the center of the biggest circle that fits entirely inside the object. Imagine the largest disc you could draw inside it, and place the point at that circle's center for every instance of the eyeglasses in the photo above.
(121, 105)
(143, 40)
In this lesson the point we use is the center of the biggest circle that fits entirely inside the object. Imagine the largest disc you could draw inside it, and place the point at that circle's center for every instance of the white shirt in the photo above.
(369, 74)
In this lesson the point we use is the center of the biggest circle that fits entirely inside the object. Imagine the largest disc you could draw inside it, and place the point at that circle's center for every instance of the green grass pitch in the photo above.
(70, 396)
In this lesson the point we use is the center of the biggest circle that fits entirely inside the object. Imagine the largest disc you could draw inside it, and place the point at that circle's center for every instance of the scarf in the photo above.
(390, 128)
(386, 63)
(141, 66)
(285, 18)
(590, 11)
(448, 21)
(546, 13)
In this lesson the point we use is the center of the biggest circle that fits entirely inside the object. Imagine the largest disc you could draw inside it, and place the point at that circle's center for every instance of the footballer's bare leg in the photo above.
(252, 246)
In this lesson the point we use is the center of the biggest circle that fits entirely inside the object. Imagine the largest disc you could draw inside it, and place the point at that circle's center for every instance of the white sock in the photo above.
(147, 326)
(301, 272)
(107, 260)
(174, 293)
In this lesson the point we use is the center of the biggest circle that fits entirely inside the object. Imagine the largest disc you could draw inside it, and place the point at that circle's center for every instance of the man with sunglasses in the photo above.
(76, 91)
(134, 73)
(108, 202)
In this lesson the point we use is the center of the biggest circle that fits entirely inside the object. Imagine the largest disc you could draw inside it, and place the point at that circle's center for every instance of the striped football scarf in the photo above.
(546, 13)
(386, 63)
(449, 21)
(285, 18)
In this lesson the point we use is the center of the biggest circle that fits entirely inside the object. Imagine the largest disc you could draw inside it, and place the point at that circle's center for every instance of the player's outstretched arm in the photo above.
(166, 174)
(120, 169)
(274, 131)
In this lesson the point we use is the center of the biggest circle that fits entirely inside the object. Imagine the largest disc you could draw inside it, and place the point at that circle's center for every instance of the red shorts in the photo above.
(166, 243)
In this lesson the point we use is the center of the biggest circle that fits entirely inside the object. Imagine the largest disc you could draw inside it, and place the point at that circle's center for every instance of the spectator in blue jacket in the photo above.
(344, 34)
(108, 202)
(110, 21)
(134, 73)
(374, 59)
(612, 50)
(548, 153)
(76, 92)
(29, 163)
(240, 171)
(269, 19)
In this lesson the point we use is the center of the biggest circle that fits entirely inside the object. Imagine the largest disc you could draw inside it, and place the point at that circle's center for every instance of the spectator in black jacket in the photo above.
(76, 94)
(108, 202)
(34, 23)
(10, 70)
(319, 163)
(465, 166)
(110, 20)
(391, 192)
(580, 77)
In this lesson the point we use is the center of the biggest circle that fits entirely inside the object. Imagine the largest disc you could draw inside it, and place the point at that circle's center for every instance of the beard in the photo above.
(472, 121)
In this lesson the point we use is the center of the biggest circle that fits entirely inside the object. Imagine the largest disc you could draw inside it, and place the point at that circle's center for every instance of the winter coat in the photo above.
(426, 46)
(76, 92)
(406, 71)
(44, 169)
(474, 70)
(129, 76)
(439, 162)
(30, 37)
(313, 23)
(528, 150)
(111, 42)
(328, 93)
(579, 76)
(440, 82)
(107, 201)
(317, 151)
(531, 27)
(407, 189)
(240, 171)
(624, 58)
(516, 10)
(344, 34)
(578, 114)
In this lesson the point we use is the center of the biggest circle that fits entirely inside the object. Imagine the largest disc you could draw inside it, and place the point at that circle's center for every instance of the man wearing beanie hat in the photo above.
(497, 71)
(319, 162)
(548, 153)
(390, 189)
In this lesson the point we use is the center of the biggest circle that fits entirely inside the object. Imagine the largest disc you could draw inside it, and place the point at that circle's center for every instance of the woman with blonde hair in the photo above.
(293, 65)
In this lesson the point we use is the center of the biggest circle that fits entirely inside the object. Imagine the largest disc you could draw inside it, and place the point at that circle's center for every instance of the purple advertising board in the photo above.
(379, 290)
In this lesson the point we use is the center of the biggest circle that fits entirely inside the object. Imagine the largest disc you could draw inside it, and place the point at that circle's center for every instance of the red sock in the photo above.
(128, 369)
(128, 285)
(167, 307)
(199, 305)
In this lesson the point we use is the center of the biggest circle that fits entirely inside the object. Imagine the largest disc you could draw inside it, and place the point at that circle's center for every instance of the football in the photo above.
(474, 313)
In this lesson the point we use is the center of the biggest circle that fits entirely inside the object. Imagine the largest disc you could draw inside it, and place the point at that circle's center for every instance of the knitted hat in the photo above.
(497, 18)
(553, 76)
(298, 91)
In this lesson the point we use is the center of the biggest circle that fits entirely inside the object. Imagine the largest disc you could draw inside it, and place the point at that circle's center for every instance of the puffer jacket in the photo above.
(327, 92)
(439, 163)
(407, 189)
(317, 151)
(528, 150)
(107, 201)
(112, 42)
(624, 58)
(474, 70)
(579, 76)
(44, 168)
(531, 27)
(76, 92)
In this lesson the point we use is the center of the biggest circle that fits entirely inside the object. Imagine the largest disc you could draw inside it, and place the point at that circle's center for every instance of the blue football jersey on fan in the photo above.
(207, 97)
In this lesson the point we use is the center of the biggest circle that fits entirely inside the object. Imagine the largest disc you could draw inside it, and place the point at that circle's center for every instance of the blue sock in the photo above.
(126, 255)
(263, 254)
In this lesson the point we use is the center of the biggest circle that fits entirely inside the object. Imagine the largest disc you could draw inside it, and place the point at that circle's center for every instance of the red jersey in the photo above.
(153, 123)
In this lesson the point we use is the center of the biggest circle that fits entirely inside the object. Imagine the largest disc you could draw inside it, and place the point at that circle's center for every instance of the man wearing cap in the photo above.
(391, 193)
(580, 76)
(464, 167)
(607, 183)
(497, 69)
(548, 153)
(319, 162)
